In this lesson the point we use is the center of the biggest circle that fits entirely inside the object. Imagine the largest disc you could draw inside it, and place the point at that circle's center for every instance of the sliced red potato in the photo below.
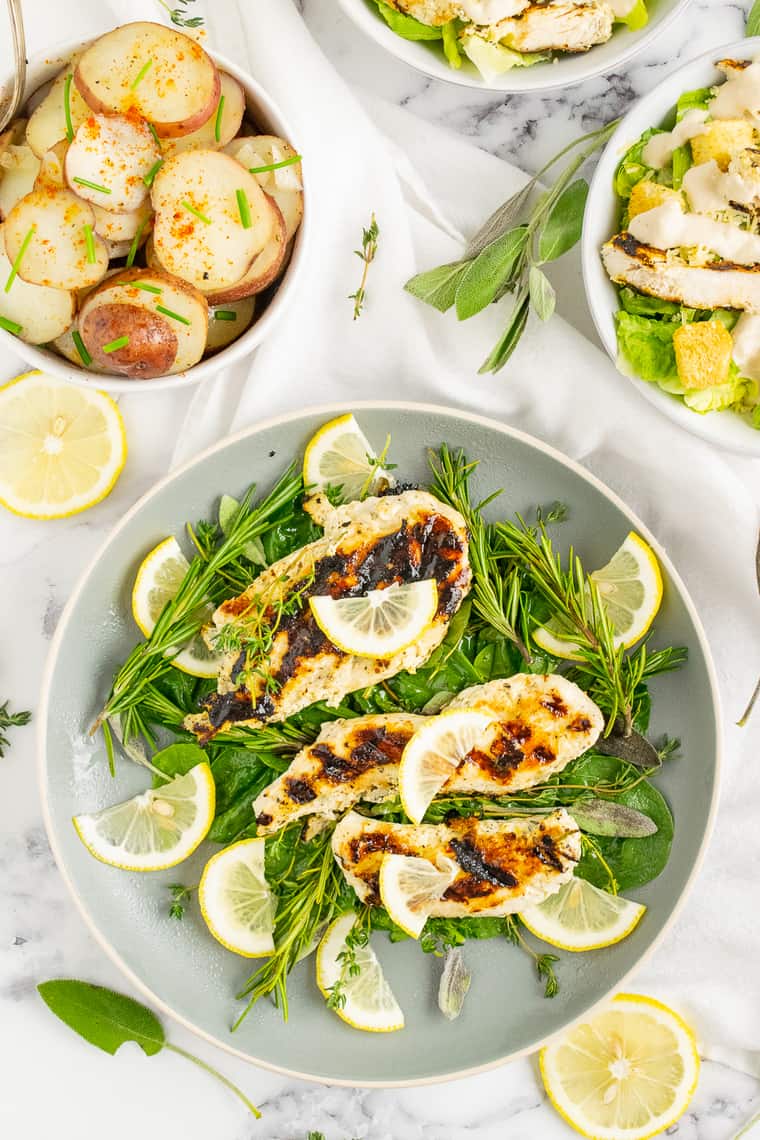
(228, 121)
(120, 228)
(50, 175)
(284, 185)
(47, 239)
(109, 159)
(165, 330)
(227, 322)
(14, 135)
(38, 95)
(47, 123)
(156, 71)
(198, 230)
(19, 167)
(64, 344)
(42, 313)
(264, 269)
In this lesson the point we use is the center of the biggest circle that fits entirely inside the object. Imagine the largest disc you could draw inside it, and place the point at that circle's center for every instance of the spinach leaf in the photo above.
(176, 760)
(290, 534)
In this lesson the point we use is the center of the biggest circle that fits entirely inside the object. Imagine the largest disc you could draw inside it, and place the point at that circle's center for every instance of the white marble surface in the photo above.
(53, 1085)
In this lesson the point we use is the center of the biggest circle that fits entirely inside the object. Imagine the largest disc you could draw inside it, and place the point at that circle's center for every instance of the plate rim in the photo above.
(331, 409)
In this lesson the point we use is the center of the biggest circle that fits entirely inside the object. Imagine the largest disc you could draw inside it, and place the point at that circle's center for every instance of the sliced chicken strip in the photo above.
(558, 26)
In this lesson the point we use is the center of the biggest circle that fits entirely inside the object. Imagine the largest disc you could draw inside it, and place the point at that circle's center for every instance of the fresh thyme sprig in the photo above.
(506, 254)
(180, 896)
(10, 720)
(179, 16)
(544, 963)
(366, 254)
(356, 939)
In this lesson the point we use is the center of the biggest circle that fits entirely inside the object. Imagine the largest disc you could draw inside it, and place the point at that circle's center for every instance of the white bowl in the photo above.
(562, 72)
(265, 114)
(725, 429)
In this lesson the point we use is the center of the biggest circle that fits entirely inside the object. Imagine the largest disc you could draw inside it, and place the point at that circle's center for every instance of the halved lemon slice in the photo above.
(369, 1002)
(409, 886)
(627, 1073)
(434, 753)
(380, 623)
(62, 447)
(159, 578)
(630, 587)
(235, 899)
(340, 455)
(155, 830)
(580, 916)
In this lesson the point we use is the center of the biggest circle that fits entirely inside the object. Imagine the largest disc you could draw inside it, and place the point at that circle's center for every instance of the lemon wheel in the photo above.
(340, 455)
(409, 886)
(235, 899)
(380, 623)
(434, 753)
(580, 916)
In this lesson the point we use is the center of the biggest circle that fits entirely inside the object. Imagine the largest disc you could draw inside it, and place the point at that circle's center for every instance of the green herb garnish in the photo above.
(218, 119)
(90, 243)
(244, 209)
(154, 132)
(115, 345)
(17, 260)
(92, 185)
(67, 106)
(753, 20)
(135, 244)
(191, 209)
(81, 349)
(225, 315)
(174, 316)
(275, 165)
(179, 16)
(10, 326)
(367, 256)
(149, 177)
(141, 74)
(180, 896)
(146, 288)
(10, 720)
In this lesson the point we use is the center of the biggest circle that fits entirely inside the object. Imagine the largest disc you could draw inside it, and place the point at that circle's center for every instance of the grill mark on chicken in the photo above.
(375, 748)
(474, 863)
(300, 792)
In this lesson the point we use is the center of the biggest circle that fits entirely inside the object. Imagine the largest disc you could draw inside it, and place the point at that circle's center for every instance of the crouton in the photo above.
(721, 140)
(703, 354)
(646, 195)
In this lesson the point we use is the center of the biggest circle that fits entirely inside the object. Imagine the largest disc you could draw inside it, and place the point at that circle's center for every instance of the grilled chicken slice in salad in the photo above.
(366, 546)
(541, 723)
(503, 865)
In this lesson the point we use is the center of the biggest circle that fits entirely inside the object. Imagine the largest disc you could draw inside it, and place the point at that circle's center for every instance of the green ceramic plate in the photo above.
(178, 966)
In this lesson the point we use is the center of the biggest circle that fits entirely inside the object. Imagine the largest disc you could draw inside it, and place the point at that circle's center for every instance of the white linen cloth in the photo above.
(426, 187)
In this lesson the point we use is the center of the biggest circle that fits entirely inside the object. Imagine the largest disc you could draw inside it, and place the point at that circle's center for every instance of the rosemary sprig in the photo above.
(366, 254)
(10, 720)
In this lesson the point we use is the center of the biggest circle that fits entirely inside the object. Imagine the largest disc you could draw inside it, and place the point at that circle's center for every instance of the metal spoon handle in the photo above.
(19, 53)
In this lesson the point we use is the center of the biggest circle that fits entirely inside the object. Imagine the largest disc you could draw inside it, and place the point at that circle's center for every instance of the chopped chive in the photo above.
(225, 315)
(146, 288)
(274, 165)
(154, 132)
(173, 315)
(91, 185)
(17, 262)
(135, 244)
(197, 213)
(114, 345)
(67, 106)
(79, 345)
(245, 213)
(90, 240)
(10, 326)
(218, 119)
(141, 74)
(148, 179)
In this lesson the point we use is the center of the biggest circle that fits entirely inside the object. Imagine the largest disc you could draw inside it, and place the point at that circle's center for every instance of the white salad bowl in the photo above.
(265, 113)
(564, 71)
(724, 429)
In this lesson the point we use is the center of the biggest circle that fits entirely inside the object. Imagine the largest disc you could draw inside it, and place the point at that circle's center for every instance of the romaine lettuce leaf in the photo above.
(632, 168)
(646, 347)
(636, 18)
(451, 50)
(406, 26)
(493, 59)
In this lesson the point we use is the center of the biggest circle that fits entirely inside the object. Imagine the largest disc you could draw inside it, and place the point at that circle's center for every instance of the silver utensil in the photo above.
(8, 111)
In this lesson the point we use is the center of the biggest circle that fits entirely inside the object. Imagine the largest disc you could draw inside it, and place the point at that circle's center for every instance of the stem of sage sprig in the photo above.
(505, 255)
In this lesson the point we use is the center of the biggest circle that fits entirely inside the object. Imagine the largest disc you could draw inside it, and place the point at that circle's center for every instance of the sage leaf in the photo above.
(510, 338)
(633, 748)
(437, 702)
(542, 295)
(501, 220)
(438, 287)
(563, 225)
(753, 20)
(454, 985)
(104, 1018)
(498, 264)
(605, 817)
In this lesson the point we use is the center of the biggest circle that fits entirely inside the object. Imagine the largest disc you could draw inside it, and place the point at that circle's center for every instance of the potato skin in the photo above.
(152, 345)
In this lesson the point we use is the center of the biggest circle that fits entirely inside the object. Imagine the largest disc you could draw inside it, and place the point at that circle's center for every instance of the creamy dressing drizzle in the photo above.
(739, 96)
(668, 227)
(746, 351)
(491, 11)
(658, 152)
(709, 189)
(621, 8)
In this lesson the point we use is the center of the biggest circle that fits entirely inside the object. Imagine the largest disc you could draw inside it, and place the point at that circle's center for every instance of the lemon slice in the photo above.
(580, 916)
(630, 588)
(409, 886)
(339, 455)
(155, 830)
(627, 1073)
(434, 753)
(380, 623)
(62, 447)
(369, 1002)
(236, 901)
(159, 578)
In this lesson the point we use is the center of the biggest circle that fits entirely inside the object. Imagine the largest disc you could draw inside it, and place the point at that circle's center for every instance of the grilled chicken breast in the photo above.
(437, 12)
(503, 865)
(557, 26)
(718, 285)
(366, 545)
(541, 723)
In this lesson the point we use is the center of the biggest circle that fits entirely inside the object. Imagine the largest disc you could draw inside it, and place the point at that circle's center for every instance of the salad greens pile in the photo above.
(519, 581)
